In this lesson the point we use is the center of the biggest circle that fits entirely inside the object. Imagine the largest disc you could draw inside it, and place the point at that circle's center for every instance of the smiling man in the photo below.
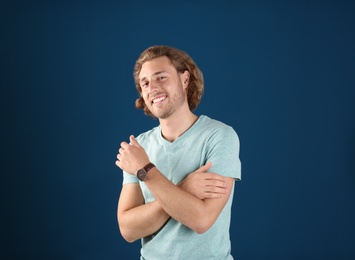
(178, 178)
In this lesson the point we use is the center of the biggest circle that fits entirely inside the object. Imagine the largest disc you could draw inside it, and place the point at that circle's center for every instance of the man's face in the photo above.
(162, 88)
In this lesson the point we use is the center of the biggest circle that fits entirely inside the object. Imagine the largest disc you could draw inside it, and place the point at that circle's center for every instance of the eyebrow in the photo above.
(154, 74)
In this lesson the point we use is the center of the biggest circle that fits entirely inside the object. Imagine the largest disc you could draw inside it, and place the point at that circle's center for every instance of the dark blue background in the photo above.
(281, 73)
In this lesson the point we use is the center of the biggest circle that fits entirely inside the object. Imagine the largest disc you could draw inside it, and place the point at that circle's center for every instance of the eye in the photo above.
(144, 85)
(161, 78)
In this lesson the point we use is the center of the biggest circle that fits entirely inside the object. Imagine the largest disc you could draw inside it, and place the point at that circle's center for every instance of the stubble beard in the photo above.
(175, 102)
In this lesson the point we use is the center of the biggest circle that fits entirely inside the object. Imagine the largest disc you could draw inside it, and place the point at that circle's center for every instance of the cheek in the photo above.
(145, 99)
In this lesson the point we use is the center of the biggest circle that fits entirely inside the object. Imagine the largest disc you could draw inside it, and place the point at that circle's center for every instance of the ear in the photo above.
(185, 78)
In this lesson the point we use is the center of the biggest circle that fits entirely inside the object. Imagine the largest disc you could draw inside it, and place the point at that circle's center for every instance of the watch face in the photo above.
(141, 174)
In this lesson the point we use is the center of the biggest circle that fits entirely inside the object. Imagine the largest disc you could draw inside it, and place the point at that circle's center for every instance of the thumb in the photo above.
(134, 142)
(204, 168)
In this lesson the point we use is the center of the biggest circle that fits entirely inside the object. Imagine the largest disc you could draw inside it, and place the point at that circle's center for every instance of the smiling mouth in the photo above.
(158, 100)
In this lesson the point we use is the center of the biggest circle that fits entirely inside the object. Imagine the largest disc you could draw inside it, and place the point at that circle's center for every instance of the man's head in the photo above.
(183, 64)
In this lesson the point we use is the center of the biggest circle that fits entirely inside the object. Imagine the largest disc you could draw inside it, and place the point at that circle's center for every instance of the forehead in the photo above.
(160, 64)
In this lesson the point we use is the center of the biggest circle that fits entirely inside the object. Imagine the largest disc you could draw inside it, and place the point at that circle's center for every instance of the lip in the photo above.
(157, 100)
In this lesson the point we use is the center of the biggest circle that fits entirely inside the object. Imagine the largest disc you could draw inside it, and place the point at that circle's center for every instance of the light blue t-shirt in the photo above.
(207, 140)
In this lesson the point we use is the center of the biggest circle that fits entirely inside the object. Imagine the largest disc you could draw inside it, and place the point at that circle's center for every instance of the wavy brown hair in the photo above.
(181, 61)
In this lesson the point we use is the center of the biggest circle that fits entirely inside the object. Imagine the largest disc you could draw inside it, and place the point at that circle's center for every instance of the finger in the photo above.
(118, 163)
(214, 176)
(219, 184)
(204, 168)
(215, 189)
(211, 195)
(134, 142)
(124, 145)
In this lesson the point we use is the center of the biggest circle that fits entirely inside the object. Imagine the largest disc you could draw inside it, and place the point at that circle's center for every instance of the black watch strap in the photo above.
(148, 167)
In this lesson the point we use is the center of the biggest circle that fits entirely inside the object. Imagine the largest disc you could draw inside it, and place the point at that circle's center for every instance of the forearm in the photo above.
(179, 204)
(142, 221)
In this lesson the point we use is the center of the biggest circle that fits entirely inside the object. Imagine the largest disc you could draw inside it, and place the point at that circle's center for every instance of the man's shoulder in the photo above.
(148, 135)
(215, 131)
(214, 125)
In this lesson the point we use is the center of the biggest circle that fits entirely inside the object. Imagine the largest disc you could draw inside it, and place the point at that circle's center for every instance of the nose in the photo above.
(153, 87)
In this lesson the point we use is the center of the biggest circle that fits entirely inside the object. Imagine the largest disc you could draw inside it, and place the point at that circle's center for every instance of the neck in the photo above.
(176, 125)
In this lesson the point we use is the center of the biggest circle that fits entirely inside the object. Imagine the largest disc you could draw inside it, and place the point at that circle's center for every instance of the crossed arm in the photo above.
(195, 202)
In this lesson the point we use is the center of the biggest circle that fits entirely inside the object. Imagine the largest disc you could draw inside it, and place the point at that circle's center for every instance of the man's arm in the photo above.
(137, 220)
(197, 214)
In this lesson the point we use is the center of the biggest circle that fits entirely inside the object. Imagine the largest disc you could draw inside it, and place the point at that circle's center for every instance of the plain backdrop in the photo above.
(281, 73)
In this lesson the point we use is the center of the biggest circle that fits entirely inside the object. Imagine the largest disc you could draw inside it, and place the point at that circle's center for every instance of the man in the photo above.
(178, 177)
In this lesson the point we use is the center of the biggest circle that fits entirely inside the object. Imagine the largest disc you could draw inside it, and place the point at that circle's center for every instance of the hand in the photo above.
(131, 157)
(204, 184)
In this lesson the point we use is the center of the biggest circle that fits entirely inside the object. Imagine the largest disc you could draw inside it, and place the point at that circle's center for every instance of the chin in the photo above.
(163, 115)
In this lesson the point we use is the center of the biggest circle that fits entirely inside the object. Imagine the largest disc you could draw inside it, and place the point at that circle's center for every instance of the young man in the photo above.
(178, 177)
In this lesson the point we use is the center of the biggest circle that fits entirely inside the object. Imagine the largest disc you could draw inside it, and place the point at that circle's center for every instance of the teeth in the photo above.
(158, 99)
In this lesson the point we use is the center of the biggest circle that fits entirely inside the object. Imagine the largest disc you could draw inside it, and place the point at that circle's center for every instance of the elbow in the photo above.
(200, 229)
(202, 225)
(126, 232)
(129, 239)
(127, 235)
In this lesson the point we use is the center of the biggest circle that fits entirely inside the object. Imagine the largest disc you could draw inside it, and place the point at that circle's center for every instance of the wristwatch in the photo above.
(143, 173)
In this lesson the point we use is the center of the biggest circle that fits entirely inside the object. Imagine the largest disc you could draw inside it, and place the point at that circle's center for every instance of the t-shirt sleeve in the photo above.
(129, 178)
(223, 152)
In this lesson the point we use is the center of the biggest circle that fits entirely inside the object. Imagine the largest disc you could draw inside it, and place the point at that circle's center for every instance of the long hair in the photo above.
(181, 61)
